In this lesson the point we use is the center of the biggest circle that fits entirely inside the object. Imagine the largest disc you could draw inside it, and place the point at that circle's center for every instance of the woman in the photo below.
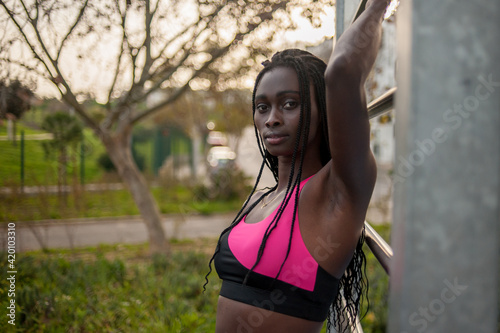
(292, 248)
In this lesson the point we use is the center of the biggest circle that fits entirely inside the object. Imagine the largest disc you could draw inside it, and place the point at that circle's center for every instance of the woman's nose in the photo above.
(274, 119)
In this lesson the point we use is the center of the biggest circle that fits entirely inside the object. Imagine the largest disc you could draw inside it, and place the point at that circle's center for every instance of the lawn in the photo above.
(42, 170)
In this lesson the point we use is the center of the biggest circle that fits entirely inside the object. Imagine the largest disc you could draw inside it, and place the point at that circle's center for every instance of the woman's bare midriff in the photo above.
(237, 317)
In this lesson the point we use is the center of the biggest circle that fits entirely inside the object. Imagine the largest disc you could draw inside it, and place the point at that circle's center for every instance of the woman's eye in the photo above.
(261, 107)
(290, 105)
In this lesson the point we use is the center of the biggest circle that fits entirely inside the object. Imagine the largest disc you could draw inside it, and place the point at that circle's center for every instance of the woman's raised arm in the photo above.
(349, 130)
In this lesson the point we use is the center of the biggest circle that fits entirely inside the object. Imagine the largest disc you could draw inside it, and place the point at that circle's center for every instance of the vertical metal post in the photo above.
(339, 17)
(444, 276)
(82, 162)
(345, 14)
(157, 147)
(22, 161)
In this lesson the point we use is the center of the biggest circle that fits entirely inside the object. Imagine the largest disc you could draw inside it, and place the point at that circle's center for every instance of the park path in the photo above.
(76, 233)
(34, 190)
(41, 136)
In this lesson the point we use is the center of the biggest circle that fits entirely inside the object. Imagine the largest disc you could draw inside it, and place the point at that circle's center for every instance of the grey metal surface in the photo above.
(381, 250)
(382, 104)
(346, 11)
(444, 274)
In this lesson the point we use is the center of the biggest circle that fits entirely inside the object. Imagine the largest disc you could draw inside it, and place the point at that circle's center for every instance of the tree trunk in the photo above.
(197, 154)
(119, 150)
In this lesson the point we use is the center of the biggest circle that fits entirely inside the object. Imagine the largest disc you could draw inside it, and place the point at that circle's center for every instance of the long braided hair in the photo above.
(353, 284)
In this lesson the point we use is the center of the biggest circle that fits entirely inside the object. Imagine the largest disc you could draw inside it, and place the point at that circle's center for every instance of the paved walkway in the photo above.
(75, 233)
(33, 190)
(41, 136)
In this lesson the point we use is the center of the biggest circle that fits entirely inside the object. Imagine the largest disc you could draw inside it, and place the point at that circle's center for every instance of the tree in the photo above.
(15, 100)
(67, 134)
(128, 49)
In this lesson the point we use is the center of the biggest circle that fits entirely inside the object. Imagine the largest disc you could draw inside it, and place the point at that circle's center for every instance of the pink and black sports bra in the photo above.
(303, 288)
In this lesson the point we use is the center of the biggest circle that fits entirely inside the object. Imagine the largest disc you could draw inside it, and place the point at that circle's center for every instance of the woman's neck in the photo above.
(310, 167)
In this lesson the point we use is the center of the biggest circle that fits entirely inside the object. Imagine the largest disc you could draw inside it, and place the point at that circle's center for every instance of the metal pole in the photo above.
(82, 162)
(444, 274)
(22, 161)
(346, 11)
(339, 17)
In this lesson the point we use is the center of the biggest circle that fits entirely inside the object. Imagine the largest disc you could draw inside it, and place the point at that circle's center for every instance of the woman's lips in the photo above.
(275, 139)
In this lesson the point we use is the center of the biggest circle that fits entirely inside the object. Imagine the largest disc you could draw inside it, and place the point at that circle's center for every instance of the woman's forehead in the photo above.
(278, 79)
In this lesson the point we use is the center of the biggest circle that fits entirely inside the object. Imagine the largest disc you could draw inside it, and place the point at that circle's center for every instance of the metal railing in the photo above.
(382, 251)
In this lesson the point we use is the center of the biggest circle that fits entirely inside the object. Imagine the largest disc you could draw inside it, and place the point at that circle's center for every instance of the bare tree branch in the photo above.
(164, 71)
(78, 18)
(264, 16)
(23, 34)
(148, 17)
(175, 37)
(27, 67)
(215, 55)
(123, 16)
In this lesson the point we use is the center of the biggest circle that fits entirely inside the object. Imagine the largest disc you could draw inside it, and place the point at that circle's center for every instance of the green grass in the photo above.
(119, 288)
(375, 320)
(16, 207)
(19, 127)
(101, 290)
(38, 169)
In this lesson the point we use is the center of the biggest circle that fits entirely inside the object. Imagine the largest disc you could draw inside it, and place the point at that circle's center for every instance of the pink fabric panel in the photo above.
(300, 268)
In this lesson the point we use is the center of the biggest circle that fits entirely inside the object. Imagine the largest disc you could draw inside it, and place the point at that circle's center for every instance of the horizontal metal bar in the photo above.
(382, 251)
(383, 104)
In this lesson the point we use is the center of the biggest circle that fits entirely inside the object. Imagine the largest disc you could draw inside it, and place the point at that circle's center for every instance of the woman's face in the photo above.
(277, 111)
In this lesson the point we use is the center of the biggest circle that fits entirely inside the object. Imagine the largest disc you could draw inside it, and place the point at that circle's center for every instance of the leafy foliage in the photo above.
(15, 99)
(109, 295)
(67, 134)
(66, 131)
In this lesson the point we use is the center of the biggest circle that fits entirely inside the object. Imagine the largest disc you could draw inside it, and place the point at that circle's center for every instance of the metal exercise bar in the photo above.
(379, 247)
(382, 104)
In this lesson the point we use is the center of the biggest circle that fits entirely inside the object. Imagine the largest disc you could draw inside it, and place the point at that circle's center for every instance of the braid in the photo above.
(237, 219)
(354, 286)
(309, 69)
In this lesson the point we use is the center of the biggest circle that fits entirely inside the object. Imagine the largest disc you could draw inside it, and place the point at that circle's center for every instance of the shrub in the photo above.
(226, 183)
(105, 162)
(104, 295)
